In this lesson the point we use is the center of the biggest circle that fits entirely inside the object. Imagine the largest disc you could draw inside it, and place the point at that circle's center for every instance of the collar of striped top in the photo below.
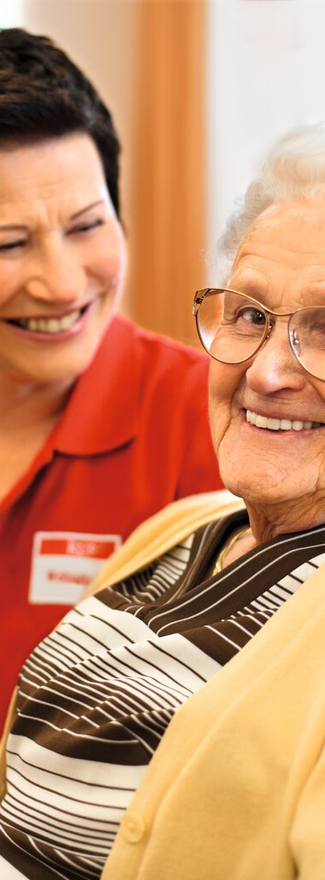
(239, 533)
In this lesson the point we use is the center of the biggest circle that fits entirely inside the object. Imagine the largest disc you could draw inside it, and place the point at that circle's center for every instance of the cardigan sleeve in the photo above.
(307, 836)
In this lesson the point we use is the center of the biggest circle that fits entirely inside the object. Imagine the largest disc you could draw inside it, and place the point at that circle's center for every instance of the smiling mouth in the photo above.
(271, 424)
(49, 325)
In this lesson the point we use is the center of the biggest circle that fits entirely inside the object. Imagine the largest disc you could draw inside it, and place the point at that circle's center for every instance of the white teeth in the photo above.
(273, 424)
(279, 424)
(50, 325)
(260, 422)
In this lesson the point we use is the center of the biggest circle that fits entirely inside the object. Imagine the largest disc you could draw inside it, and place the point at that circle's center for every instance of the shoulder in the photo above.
(155, 346)
(164, 530)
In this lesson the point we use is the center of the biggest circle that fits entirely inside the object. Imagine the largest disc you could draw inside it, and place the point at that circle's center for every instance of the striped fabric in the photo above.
(96, 696)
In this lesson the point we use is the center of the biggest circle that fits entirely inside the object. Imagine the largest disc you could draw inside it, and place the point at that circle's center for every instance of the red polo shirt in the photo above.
(133, 437)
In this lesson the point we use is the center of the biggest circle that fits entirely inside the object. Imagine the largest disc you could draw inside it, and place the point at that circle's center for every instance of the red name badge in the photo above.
(64, 564)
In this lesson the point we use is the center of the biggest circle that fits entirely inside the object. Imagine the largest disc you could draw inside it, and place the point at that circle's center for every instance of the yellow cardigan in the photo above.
(236, 789)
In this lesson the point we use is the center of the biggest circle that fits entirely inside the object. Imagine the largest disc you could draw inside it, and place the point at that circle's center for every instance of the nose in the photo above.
(56, 275)
(275, 367)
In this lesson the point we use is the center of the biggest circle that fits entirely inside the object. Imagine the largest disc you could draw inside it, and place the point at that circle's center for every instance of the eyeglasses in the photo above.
(233, 327)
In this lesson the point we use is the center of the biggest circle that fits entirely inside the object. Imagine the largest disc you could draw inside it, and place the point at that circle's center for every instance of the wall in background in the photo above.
(11, 13)
(265, 74)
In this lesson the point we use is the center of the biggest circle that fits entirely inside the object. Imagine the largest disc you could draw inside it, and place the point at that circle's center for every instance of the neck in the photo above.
(265, 524)
(239, 544)
(269, 521)
(24, 405)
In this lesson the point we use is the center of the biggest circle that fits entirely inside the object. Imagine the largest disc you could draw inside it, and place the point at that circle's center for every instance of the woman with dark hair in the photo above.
(94, 434)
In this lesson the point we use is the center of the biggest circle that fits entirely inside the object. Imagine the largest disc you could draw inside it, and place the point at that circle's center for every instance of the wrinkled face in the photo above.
(281, 262)
(62, 259)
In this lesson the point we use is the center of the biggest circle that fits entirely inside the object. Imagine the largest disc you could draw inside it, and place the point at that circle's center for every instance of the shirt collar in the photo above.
(102, 412)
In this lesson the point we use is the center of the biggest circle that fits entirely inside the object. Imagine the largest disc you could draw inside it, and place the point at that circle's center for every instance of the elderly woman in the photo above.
(94, 436)
(236, 790)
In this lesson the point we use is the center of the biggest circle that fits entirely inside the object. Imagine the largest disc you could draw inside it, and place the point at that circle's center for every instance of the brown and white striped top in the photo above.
(96, 696)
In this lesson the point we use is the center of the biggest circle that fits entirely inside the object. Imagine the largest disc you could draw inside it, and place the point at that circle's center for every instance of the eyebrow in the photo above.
(20, 227)
(88, 208)
(13, 227)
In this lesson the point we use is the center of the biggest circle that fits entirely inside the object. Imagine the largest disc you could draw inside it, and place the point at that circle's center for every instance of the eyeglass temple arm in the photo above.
(199, 297)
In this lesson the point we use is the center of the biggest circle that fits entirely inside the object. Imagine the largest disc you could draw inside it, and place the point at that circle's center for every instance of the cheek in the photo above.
(219, 401)
(320, 388)
(107, 258)
(224, 382)
(11, 280)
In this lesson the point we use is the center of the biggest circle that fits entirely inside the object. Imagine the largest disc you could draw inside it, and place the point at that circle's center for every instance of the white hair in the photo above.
(294, 168)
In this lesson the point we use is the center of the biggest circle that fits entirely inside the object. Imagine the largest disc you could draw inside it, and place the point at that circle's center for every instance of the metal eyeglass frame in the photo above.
(201, 294)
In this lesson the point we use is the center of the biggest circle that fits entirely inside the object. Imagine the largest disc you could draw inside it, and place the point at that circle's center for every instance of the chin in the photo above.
(57, 372)
(70, 362)
(263, 493)
(255, 488)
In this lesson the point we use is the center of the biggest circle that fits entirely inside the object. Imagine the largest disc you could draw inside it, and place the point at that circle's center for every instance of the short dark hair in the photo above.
(43, 94)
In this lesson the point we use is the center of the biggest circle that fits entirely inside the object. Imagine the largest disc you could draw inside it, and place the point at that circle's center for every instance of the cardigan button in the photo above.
(133, 827)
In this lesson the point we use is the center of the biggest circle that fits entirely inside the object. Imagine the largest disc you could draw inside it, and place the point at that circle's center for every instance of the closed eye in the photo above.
(86, 227)
(11, 245)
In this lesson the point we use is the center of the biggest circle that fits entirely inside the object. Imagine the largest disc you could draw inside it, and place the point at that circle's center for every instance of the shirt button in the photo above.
(133, 827)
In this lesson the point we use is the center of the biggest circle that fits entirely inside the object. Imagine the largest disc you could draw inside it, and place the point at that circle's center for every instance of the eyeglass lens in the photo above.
(307, 337)
(232, 329)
